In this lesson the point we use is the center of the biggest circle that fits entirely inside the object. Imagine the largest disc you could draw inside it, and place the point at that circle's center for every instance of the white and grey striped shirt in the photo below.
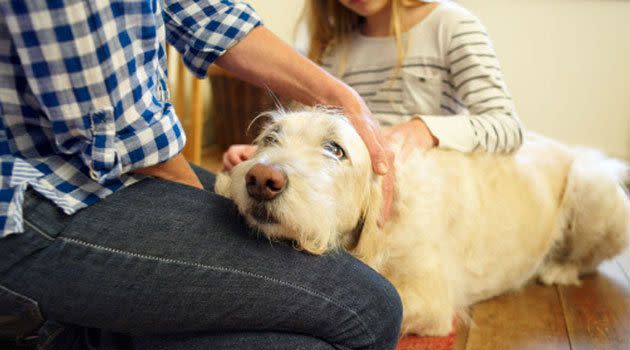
(450, 78)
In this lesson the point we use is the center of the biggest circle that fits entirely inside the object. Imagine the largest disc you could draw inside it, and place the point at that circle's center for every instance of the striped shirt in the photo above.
(83, 94)
(450, 78)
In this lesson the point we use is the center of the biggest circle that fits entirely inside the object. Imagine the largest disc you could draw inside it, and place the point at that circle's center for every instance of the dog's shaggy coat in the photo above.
(466, 226)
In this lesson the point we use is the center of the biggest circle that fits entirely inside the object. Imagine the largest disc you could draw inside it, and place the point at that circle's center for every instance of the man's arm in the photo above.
(231, 34)
(264, 60)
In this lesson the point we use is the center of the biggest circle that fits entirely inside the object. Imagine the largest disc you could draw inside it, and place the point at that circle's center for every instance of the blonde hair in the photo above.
(330, 25)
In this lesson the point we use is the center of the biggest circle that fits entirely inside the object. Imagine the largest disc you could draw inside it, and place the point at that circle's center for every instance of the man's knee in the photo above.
(385, 314)
(376, 305)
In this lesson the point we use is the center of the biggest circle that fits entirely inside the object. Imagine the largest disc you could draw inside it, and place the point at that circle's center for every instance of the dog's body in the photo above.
(467, 226)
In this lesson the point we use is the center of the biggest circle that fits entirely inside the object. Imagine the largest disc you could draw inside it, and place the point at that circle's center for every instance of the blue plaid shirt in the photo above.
(83, 95)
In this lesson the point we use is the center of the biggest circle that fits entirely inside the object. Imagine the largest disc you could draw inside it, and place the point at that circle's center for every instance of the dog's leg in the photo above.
(558, 267)
(428, 307)
(559, 273)
(595, 220)
(427, 297)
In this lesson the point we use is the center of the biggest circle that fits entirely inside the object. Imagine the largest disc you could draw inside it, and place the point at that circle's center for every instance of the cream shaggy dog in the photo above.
(467, 226)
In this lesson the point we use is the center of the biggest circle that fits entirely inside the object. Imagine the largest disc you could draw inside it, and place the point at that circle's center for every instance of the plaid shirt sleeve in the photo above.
(203, 30)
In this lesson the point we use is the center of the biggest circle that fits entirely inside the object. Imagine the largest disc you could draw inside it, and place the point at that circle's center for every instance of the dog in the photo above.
(467, 227)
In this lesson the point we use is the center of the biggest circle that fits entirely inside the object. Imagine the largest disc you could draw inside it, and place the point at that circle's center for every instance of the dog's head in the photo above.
(310, 181)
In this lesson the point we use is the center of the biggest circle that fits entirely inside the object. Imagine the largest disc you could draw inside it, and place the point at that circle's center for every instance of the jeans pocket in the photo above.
(42, 218)
(19, 315)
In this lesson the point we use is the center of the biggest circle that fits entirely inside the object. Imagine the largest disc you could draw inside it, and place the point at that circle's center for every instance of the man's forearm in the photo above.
(175, 169)
(263, 59)
(277, 66)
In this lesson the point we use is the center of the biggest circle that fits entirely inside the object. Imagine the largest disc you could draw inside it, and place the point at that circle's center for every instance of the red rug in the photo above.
(428, 343)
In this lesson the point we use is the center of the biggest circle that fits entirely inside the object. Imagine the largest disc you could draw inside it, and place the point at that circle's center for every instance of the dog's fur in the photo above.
(466, 226)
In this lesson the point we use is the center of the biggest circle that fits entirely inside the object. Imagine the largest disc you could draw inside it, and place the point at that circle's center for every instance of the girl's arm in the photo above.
(477, 84)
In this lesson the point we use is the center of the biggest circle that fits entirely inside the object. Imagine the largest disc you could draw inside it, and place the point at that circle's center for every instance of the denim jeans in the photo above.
(160, 265)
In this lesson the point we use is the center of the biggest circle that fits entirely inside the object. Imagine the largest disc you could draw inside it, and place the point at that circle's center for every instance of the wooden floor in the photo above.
(595, 315)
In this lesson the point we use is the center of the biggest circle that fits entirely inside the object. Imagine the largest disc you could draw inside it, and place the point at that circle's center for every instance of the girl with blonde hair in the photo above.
(426, 68)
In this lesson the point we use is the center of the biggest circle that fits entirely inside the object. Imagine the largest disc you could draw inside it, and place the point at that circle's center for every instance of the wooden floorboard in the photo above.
(595, 315)
(598, 312)
(461, 337)
(528, 319)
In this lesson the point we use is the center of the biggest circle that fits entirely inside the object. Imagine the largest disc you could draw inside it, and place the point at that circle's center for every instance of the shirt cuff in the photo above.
(454, 132)
(202, 33)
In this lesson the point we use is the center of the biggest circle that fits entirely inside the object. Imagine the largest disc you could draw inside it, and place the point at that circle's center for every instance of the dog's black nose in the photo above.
(265, 182)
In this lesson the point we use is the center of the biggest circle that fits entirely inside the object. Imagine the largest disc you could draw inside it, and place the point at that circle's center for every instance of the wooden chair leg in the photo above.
(196, 122)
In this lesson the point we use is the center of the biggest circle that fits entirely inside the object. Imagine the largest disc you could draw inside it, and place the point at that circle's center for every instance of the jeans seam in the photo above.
(222, 269)
(38, 230)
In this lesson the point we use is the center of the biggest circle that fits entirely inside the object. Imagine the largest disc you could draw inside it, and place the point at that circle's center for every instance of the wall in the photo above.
(566, 62)
(280, 16)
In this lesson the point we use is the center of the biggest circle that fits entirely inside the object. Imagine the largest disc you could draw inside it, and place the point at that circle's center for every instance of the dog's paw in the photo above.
(559, 274)
(437, 323)
(437, 329)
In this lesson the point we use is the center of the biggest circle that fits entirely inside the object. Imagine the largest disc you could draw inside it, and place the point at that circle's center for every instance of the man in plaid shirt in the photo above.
(85, 114)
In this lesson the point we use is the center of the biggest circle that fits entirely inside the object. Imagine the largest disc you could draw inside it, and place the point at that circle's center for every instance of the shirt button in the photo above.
(93, 175)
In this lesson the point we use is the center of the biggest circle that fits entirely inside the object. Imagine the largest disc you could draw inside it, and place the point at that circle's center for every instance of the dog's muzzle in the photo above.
(265, 182)
(261, 214)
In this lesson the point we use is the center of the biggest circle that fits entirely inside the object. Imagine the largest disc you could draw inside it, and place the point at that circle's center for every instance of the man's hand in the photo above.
(237, 154)
(380, 154)
(389, 188)
(382, 159)
(175, 169)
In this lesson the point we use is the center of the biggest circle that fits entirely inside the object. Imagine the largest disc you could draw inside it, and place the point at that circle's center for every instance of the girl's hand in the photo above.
(237, 154)
(414, 135)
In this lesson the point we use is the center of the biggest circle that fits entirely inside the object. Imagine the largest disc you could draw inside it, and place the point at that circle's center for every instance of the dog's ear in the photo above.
(353, 238)
(222, 185)
(262, 122)
(368, 236)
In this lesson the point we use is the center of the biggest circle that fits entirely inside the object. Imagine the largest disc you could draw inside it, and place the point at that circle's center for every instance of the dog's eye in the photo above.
(335, 150)
(269, 140)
